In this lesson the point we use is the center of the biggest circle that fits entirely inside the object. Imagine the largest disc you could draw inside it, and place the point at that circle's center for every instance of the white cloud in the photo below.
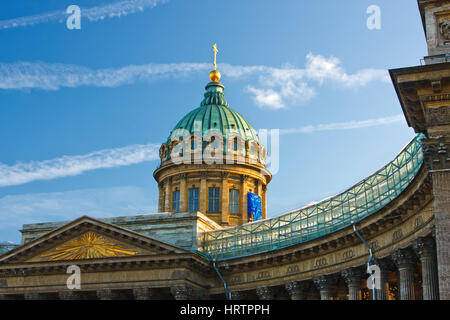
(345, 125)
(287, 85)
(47, 76)
(21, 173)
(274, 88)
(116, 9)
(266, 98)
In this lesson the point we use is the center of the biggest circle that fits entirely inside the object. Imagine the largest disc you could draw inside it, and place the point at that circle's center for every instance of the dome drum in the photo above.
(211, 161)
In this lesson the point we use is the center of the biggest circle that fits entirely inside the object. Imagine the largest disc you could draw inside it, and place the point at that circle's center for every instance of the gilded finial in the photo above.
(214, 75)
(215, 55)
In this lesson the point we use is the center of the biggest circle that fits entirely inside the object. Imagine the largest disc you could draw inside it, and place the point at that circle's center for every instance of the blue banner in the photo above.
(254, 206)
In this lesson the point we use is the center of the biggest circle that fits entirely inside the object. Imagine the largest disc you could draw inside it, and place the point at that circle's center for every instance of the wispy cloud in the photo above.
(274, 89)
(112, 10)
(21, 173)
(279, 86)
(345, 125)
(48, 76)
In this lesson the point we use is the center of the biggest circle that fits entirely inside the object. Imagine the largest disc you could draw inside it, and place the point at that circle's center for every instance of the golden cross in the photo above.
(215, 54)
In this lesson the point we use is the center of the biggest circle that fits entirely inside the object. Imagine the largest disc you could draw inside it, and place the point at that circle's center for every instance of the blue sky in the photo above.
(82, 112)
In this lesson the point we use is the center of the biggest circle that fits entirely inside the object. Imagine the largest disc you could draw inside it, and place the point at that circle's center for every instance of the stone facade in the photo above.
(180, 229)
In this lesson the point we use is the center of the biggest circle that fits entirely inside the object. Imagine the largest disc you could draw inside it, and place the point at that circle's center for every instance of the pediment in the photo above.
(88, 239)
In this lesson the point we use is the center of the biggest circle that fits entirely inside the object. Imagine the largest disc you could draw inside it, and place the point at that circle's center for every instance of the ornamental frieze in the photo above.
(438, 116)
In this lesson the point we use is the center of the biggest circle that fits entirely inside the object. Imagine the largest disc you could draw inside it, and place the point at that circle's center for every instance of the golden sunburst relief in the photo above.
(88, 246)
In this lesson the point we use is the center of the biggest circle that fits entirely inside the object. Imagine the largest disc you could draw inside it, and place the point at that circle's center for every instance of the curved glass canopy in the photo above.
(316, 220)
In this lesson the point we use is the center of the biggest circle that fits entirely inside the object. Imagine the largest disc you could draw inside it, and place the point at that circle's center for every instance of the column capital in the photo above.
(352, 276)
(385, 264)
(265, 293)
(244, 178)
(323, 282)
(404, 258)
(182, 176)
(435, 153)
(182, 292)
(143, 293)
(424, 247)
(296, 289)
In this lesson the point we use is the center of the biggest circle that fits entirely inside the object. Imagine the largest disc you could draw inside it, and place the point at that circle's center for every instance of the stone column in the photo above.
(143, 294)
(296, 290)
(436, 158)
(323, 284)
(182, 292)
(203, 194)
(405, 261)
(161, 197)
(425, 250)
(225, 196)
(183, 193)
(265, 293)
(352, 277)
(168, 199)
(263, 201)
(243, 200)
(385, 266)
(342, 290)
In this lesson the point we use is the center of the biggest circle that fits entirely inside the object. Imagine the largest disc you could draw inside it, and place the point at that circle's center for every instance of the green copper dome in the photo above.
(214, 114)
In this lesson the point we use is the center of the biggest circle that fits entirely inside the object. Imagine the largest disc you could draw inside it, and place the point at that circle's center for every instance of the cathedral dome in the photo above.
(215, 115)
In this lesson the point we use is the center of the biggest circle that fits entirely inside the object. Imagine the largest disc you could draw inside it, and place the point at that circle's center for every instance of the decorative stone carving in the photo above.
(323, 284)
(444, 31)
(163, 152)
(435, 153)
(265, 293)
(182, 292)
(438, 116)
(296, 289)
(244, 177)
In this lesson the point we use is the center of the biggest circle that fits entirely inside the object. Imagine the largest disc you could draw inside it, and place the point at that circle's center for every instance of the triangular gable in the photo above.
(88, 238)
